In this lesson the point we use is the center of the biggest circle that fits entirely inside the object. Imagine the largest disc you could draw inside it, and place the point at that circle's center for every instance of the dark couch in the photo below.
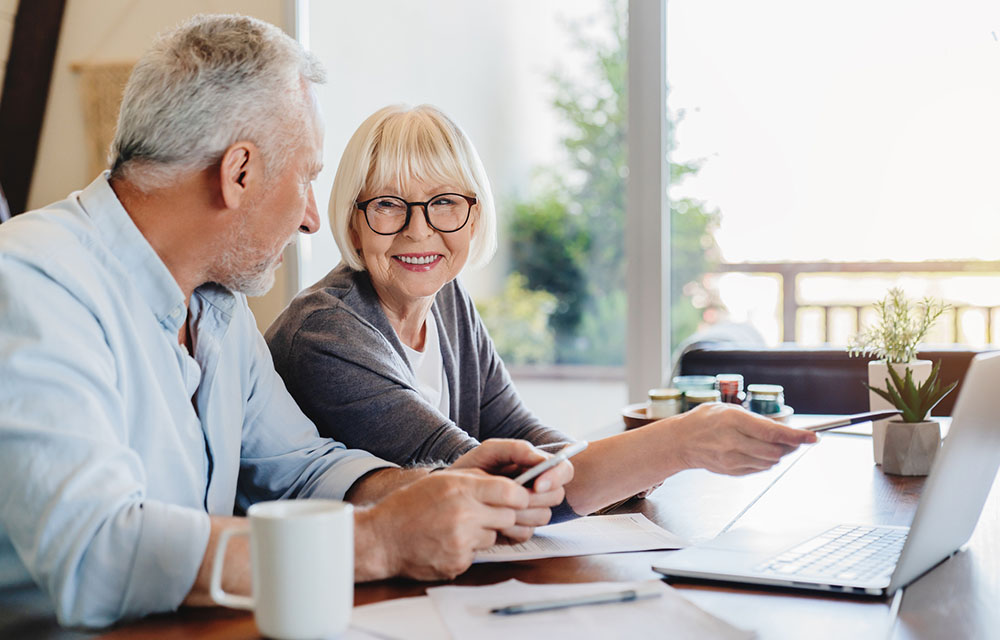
(816, 380)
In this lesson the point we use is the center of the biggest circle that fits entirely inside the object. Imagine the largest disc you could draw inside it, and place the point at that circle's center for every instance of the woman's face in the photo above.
(419, 260)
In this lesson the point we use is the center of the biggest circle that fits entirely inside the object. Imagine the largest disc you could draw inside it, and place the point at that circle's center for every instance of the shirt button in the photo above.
(175, 313)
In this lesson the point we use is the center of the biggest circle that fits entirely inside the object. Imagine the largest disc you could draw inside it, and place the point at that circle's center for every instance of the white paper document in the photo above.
(466, 613)
(587, 536)
(401, 619)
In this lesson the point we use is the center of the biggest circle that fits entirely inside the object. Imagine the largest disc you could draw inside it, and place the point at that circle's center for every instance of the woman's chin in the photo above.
(413, 286)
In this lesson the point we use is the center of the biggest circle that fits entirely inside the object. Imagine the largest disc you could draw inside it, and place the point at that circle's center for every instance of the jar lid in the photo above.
(690, 383)
(699, 395)
(664, 394)
(766, 389)
(729, 377)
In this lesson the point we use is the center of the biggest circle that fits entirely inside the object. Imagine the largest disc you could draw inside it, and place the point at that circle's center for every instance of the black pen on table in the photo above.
(627, 595)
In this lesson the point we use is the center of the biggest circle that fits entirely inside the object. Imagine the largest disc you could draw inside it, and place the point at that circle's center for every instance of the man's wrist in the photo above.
(374, 551)
(379, 483)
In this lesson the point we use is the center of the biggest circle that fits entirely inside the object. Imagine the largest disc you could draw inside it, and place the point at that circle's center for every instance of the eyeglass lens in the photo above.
(446, 212)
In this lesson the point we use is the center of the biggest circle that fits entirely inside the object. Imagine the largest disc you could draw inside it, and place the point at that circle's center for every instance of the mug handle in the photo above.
(220, 596)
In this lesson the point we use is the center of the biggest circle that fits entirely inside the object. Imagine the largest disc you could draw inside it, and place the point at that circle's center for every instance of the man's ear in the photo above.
(239, 169)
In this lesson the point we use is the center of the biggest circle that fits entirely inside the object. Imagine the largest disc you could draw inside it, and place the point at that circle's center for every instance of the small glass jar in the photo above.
(730, 386)
(766, 399)
(694, 383)
(694, 398)
(663, 403)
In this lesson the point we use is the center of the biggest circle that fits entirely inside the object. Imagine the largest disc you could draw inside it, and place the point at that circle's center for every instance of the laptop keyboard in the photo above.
(846, 553)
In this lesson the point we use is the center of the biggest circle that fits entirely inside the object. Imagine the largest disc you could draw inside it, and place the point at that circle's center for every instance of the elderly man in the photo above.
(140, 407)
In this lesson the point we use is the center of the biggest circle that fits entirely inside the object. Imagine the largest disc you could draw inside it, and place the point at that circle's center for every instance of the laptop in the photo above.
(873, 559)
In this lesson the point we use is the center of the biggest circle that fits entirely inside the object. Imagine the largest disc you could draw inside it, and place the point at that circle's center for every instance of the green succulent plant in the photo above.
(915, 401)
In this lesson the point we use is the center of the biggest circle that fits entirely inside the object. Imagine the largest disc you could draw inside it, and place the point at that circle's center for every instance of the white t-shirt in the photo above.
(428, 366)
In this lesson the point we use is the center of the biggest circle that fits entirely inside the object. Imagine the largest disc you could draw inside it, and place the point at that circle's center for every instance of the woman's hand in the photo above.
(728, 439)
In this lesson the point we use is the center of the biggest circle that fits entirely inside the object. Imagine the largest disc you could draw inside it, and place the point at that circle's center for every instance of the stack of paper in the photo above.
(402, 619)
(463, 613)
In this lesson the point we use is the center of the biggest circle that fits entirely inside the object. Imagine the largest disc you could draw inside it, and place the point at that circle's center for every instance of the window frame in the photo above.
(647, 228)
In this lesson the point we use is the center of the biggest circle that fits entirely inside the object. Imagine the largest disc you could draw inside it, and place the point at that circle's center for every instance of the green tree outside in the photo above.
(568, 240)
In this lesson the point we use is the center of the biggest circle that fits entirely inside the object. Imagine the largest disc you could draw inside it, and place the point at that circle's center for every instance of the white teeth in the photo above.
(413, 260)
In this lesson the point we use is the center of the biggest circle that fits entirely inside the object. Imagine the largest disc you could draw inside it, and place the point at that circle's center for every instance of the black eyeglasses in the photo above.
(388, 215)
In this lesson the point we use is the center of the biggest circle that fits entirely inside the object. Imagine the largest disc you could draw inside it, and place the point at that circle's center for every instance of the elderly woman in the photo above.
(387, 352)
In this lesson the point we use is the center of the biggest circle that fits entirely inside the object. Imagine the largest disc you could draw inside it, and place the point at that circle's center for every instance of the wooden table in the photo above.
(832, 481)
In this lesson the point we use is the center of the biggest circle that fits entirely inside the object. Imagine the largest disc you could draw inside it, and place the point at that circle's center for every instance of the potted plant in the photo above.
(893, 340)
(912, 441)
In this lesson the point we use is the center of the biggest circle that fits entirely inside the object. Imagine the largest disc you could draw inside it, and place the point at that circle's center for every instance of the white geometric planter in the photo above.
(878, 371)
(910, 447)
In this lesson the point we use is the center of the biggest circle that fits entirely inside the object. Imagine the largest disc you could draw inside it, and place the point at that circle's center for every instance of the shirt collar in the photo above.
(152, 278)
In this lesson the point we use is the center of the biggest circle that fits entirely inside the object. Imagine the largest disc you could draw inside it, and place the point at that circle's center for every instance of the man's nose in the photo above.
(310, 221)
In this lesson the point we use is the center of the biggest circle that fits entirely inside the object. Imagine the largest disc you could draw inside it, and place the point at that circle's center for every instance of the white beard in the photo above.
(246, 269)
(255, 282)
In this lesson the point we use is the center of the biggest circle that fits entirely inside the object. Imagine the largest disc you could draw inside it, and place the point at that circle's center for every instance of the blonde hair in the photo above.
(396, 145)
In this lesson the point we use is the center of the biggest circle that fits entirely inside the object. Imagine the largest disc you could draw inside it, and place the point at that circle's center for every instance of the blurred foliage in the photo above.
(519, 322)
(546, 245)
(569, 239)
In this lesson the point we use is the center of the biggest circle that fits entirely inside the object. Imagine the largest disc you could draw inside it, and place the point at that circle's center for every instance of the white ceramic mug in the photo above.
(302, 556)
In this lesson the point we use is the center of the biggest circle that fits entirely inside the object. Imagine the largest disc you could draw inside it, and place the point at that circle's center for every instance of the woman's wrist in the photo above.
(668, 438)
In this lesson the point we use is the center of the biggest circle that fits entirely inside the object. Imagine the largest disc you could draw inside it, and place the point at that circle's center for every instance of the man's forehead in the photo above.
(316, 112)
(309, 147)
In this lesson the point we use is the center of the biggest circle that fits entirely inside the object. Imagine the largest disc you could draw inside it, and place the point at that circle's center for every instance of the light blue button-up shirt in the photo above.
(115, 444)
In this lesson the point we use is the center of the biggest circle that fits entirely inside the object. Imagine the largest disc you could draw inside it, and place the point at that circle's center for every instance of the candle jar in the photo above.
(694, 383)
(766, 399)
(730, 386)
(694, 398)
(663, 403)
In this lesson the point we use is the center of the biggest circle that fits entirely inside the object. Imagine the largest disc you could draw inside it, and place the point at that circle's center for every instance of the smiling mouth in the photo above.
(419, 260)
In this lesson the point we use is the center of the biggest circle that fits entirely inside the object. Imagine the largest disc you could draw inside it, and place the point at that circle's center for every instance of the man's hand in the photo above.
(509, 458)
(728, 439)
(430, 529)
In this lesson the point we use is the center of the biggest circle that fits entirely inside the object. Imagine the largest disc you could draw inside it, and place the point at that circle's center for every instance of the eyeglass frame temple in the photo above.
(363, 206)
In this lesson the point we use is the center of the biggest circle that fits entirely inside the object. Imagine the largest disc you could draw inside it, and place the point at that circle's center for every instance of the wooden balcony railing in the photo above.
(789, 272)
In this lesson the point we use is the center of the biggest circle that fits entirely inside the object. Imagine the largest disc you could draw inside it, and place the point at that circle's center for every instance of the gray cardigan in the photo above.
(343, 363)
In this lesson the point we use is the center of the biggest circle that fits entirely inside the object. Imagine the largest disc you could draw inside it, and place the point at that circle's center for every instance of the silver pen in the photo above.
(627, 595)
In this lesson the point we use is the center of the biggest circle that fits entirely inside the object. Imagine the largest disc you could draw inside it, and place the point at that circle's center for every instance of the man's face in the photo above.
(281, 208)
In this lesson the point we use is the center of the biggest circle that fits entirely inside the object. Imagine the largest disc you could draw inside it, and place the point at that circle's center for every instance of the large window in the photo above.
(540, 89)
(835, 149)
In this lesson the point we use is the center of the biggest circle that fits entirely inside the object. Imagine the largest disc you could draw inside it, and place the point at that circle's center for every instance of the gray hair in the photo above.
(210, 82)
